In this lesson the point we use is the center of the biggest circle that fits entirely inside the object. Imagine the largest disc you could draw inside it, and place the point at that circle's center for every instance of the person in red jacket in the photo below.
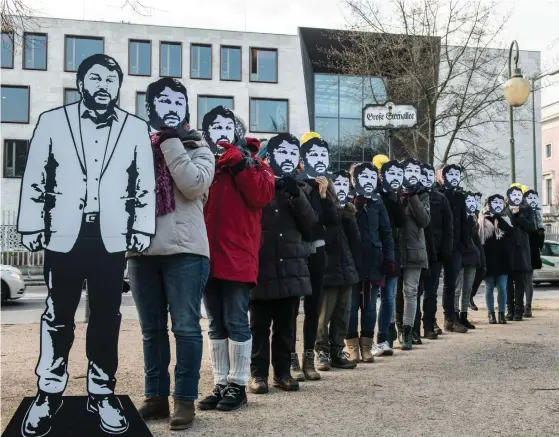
(242, 187)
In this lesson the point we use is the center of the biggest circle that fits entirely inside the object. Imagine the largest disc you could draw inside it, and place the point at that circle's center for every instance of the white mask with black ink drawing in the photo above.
(478, 201)
(315, 155)
(283, 152)
(496, 204)
(515, 196)
(427, 176)
(219, 124)
(365, 177)
(412, 172)
(341, 185)
(532, 199)
(471, 204)
(452, 176)
(392, 174)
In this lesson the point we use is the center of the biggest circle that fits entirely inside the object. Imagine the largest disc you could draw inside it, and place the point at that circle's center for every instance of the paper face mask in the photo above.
(532, 198)
(283, 153)
(427, 176)
(315, 155)
(471, 203)
(167, 104)
(478, 197)
(341, 185)
(452, 175)
(496, 204)
(219, 124)
(514, 196)
(365, 177)
(392, 174)
(412, 172)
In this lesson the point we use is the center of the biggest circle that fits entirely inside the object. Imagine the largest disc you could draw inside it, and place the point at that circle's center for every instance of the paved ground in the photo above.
(497, 380)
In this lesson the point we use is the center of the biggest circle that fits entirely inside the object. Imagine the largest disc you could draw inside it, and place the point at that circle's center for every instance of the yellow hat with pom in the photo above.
(378, 160)
(524, 188)
(516, 184)
(308, 136)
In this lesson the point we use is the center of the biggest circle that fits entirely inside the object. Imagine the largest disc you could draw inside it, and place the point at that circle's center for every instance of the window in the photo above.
(141, 105)
(207, 103)
(7, 50)
(15, 104)
(263, 65)
(139, 58)
(549, 191)
(71, 96)
(200, 61)
(35, 48)
(550, 249)
(15, 155)
(78, 48)
(269, 115)
(170, 59)
(547, 149)
(230, 63)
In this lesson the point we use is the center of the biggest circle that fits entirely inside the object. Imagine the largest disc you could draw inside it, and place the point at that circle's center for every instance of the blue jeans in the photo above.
(175, 283)
(226, 303)
(363, 296)
(386, 304)
(501, 283)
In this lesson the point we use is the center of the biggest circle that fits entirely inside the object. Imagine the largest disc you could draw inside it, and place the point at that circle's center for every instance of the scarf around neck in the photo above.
(165, 198)
(487, 228)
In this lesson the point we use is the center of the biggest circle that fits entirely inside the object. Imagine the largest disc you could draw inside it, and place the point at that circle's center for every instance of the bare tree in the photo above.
(437, 55)
(138, 7)
(17, 18)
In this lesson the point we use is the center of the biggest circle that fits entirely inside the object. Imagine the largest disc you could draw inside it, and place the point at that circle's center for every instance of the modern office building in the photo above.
(276, 83)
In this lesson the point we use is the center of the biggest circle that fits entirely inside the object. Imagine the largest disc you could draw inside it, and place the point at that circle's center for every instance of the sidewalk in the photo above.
(495, 380)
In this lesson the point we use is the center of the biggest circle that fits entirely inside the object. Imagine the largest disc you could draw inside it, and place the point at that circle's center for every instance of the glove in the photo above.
(167, 132)
(360, 202)
(240, 166)
(291, 186)
(389, 268)
(392, 196)
(230, 157)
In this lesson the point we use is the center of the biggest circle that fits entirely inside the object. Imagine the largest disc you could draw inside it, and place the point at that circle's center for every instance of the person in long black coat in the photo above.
(537, 239)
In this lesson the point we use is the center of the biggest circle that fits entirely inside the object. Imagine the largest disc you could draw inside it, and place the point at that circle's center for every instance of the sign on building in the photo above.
(389, 116)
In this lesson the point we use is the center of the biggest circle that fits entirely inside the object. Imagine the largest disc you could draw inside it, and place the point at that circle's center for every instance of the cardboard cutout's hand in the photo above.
(322, 186)
(515, 209)
(33, 242)
(139, 242)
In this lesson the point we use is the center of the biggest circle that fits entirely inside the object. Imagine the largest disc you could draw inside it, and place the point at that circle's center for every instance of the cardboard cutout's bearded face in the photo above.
(341, 185)
(318, 159)
(222, 129)
(170, 108)
(514, 196)
(283, 152)
(366, 178)
(392, 176)
(100, 88)
(452, 176)
(412, 172)
(427, 176)
(471, 203)
(496, 204)
(532, 199)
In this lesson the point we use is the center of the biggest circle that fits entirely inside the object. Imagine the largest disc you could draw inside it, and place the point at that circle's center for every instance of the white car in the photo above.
(550, 264)
(13, 285)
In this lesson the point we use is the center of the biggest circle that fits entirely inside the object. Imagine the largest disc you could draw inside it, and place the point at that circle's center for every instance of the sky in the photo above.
(533, 23)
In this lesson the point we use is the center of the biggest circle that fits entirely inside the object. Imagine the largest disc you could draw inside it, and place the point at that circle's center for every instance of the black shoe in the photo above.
(233, 397)
(491, 317)
(517, 318)
(392, 334)
(464, 321)
(437, 329)
(416, 337)
(406, 338)
(340, 360)
(210, 402)
(286, 383)
(510, 314)
(473, 305)
(502, 319)
(452, 325)
(322, 360)
(528, 312)
(430, 334)
(38, 418)
(258, 385)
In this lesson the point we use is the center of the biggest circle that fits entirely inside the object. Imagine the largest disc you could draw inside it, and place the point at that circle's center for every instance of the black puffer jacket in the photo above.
(395, 209)
(524, 223)
(496, 250)
(442, 227)
(342, 248)
(457, 202)
(283, 257)
(537, 239)
(470, 252)
(325, 210)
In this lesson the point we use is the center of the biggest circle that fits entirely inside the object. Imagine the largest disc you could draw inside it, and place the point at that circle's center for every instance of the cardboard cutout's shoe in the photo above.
(38, 418)
(110, 411)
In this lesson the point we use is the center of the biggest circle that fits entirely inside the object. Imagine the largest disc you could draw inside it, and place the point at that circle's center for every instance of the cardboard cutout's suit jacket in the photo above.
(54, 186)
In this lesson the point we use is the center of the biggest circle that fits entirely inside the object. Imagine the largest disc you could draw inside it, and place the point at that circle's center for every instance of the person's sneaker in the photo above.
(154, 408)
(296, 371)
(430, 334)
(286, 383)
(340, 360)
(183, 415)
(377, 350)
(437, 329)
(323, 361)
(258, 385)
(210, 402)
(233, 397)
(386, 349)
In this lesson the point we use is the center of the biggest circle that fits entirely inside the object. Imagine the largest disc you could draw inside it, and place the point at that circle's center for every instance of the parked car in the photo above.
(550, 264)
(13, 285)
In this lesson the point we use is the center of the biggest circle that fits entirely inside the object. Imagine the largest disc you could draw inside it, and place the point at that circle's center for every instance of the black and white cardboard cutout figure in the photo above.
(341, 181)
(532, 199)
(428, 176)
(221, 124)
(479, 204)
(471, 203)
(365, 178)
(167, 105)
(452, 176)
(514, 196)
(283, 153)
(412, 172)
(87, 197)
(392, 175)
(496, 204)
(315, 154)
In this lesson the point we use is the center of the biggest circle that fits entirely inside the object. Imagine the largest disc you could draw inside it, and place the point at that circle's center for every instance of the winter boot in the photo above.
(437, 329)
(258, 385)
(154, 407)
(518, 313)
(502, 318)
(451, 325)
(392, 334)
(322, 360)
(416, 337)
(183, 415)
(528, 311)
(430, 334)
(510, 313)
(285, 383)
(407, 340)
(296, 371)
(491, 316)
(473, 305)
(352, 346)
(308, 366)
(464, 321)
(366, 346)
(234, 397)
(210, 402)
(340, 359)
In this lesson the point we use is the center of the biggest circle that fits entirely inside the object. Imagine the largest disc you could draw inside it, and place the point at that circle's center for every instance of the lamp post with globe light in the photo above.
(516, 91)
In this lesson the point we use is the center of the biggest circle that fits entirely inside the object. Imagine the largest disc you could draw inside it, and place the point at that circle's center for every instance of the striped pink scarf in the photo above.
(165, 198)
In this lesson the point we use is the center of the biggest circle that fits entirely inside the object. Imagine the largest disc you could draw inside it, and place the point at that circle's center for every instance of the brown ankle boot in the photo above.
(308, 366)
(366, 346)
(154, 408)
(352, 346)
(183, 415)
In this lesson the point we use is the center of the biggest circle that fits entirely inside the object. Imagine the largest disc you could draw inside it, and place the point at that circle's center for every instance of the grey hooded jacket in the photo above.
(413, 251)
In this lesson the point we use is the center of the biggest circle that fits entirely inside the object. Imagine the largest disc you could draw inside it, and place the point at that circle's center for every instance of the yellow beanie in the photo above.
(516, 184)
(524, 188)
(308, 136)
(378, 160)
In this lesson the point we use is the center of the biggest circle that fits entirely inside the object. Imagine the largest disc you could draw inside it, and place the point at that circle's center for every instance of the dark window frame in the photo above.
(131, 40)
(4, 166)
(214, 96)
(225, 46)
(136, 103)
(267, 49)
(176, 43)
(66, 36)
(28, 88)
(64, 95)
(13, 50)
(192, 44)
(550, 151)
(46, 51)
(274, 99)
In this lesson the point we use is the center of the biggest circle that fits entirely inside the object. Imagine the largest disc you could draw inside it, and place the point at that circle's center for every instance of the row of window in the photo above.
(266, 115)
(263, 62)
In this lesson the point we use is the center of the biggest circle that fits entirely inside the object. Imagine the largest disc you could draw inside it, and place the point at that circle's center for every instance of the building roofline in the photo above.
(550, 104)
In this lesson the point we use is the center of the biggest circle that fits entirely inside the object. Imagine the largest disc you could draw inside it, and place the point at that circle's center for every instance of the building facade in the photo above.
(549, 195)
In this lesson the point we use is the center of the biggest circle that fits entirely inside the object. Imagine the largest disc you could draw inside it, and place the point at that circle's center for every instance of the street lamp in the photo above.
(534, 79)
(516, 91)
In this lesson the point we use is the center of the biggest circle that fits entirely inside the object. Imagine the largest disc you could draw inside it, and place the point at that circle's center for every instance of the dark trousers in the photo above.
(430, 280)
(477, 281)
(278, 314)
(333, 322)
(420, 293)
(317, 267)
(451, 266)
(64, 275)
(516, 284)
(399, 301)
